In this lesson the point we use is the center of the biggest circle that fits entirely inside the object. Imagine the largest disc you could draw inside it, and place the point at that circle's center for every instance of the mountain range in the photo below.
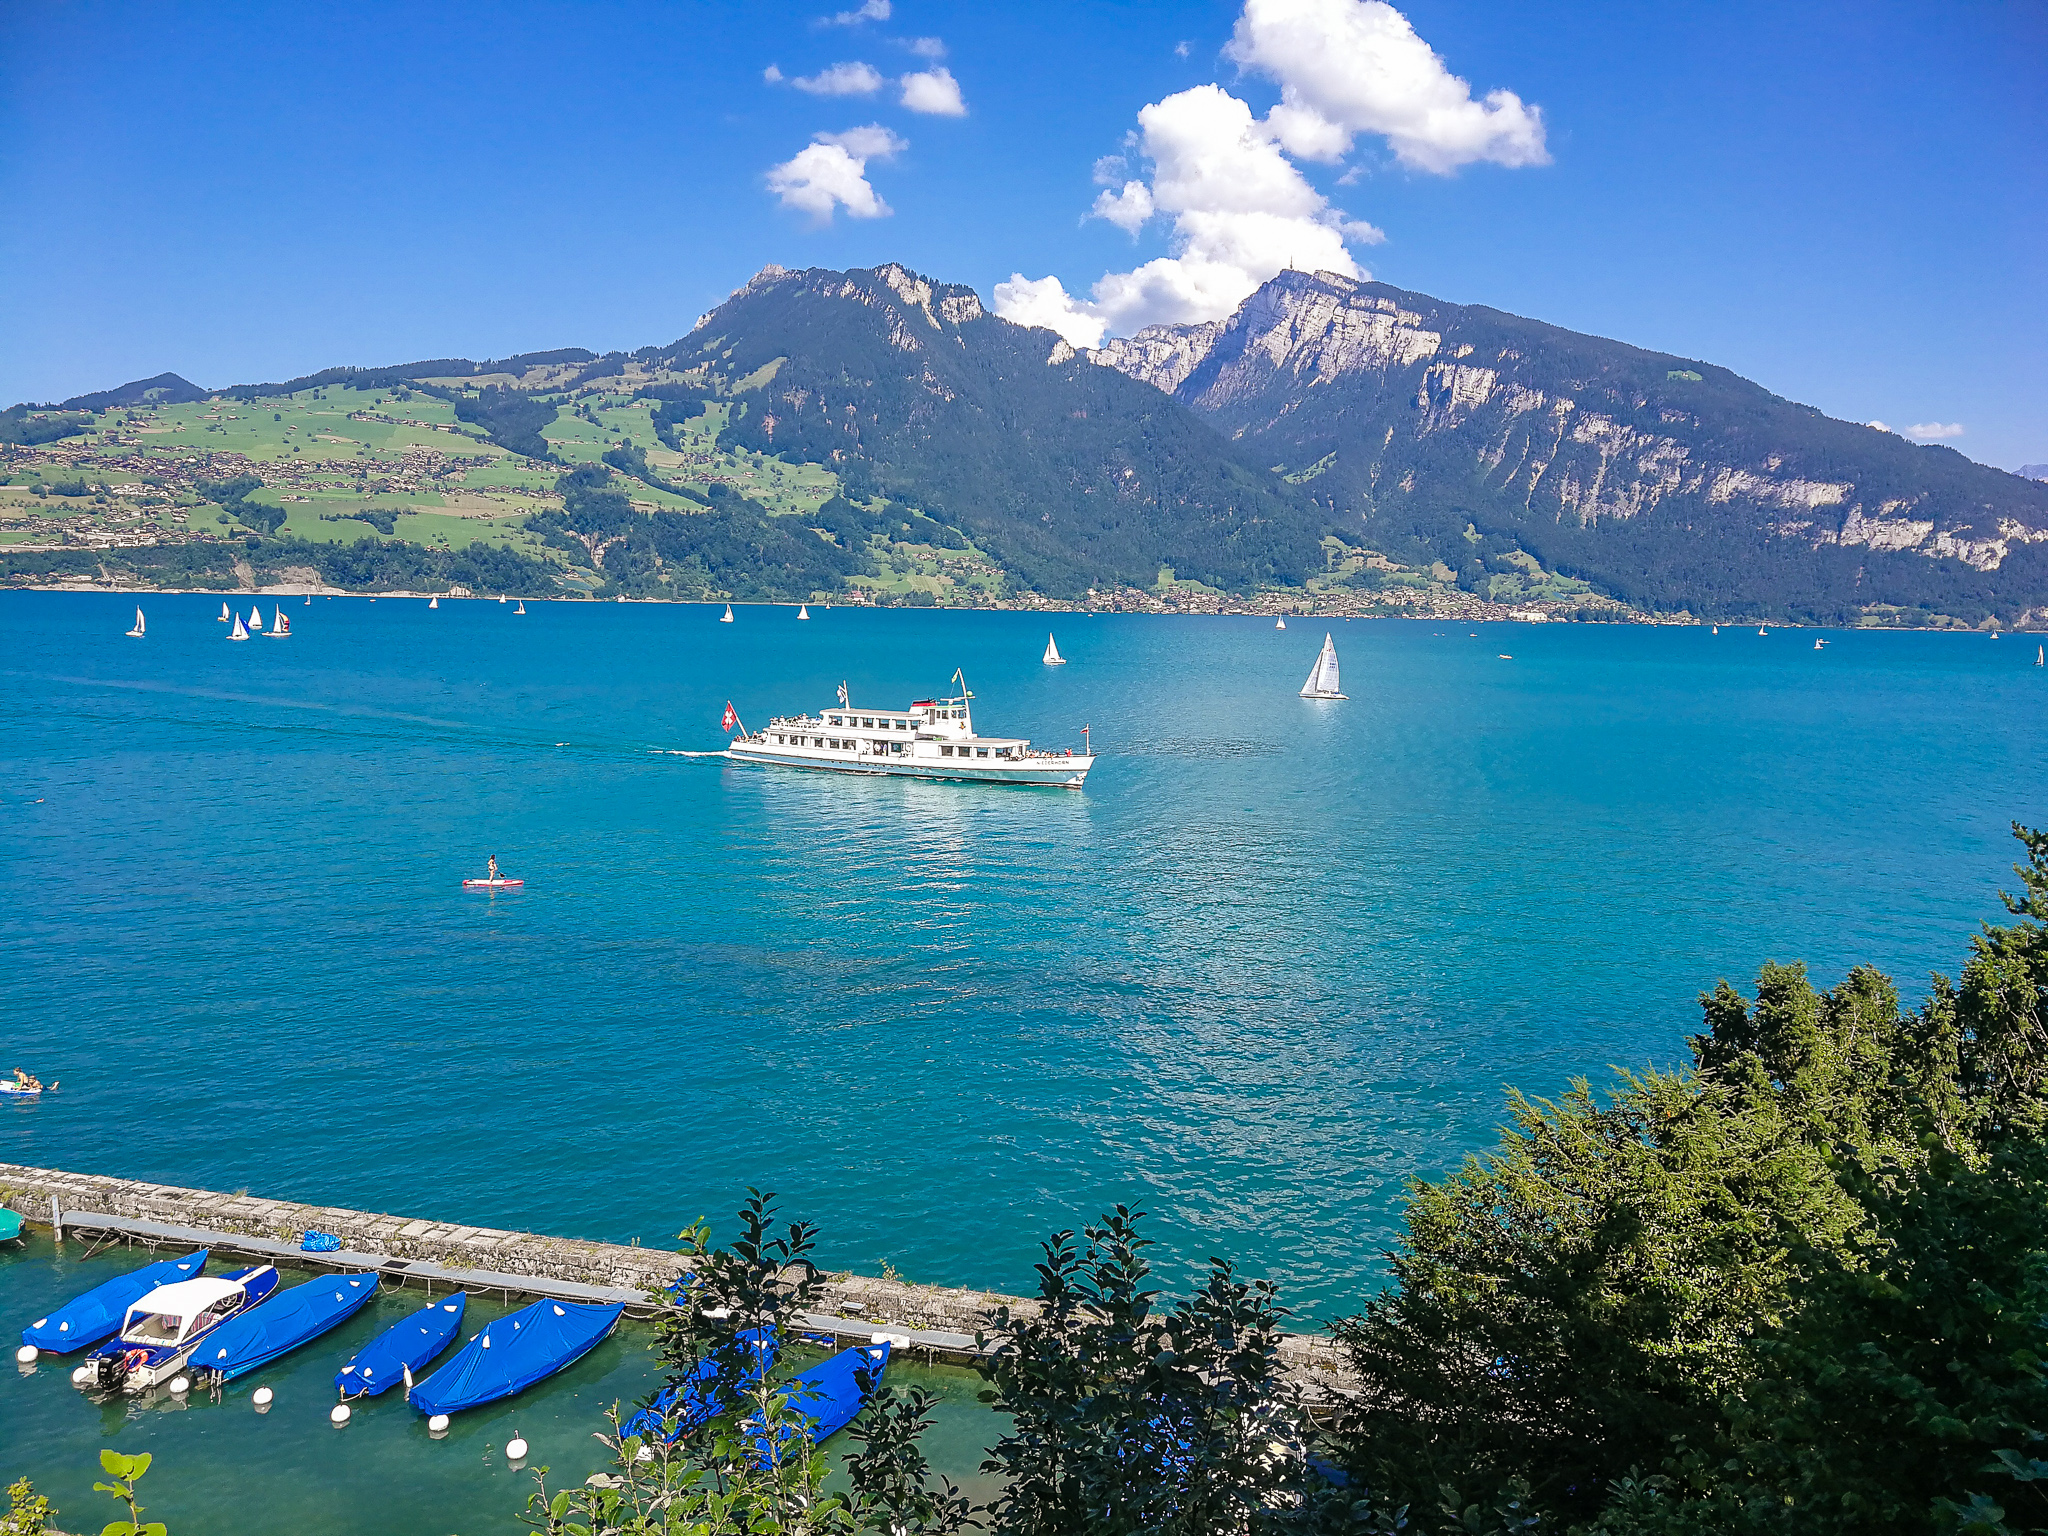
(1232, 453)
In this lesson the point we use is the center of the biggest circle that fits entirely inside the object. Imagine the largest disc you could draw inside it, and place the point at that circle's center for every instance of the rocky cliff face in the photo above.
(1665, 479)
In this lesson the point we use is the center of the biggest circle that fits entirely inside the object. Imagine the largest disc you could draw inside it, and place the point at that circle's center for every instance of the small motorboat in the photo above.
(511, 1354)
(89, 1318)
(137, 632)
(702, 1398)
(831, 1393)
(403, 1348)
(281, 627)
(294, 1317)
(728, 614)
(1052, 657)
(10, 1224)
(162, 1330)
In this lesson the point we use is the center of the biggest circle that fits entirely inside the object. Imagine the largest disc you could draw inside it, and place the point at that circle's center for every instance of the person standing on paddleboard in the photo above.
(494, 867)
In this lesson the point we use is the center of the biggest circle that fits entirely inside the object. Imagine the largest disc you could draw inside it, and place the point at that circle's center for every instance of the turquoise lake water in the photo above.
(1276, 959)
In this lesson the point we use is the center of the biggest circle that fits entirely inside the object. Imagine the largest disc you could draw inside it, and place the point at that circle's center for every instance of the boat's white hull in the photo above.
(1052, 773)
(1306, 694)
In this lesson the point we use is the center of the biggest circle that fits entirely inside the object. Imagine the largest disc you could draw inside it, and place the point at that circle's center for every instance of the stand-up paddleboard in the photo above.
(492, 885)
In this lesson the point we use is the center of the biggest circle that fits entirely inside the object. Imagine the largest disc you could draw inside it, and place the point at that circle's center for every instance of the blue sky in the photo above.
(1846, 203)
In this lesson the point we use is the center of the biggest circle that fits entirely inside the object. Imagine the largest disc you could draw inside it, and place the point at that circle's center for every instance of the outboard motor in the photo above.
(108, 1371)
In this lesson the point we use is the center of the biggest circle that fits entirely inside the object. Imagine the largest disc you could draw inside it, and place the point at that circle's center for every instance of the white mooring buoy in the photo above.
(81, 1375)
(515, 1449)
(438, 1424)
(261, 1398)
(180, 1385)
(26, 1354)
(338, 1415)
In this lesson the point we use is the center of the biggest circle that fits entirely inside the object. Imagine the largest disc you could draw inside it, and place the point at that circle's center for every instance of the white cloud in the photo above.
(927, 47)
(1240, 209)
(831, 172)
(934, 91)
(1127, 209)
(772, 75)
(869, 10)
(855, 79)
(1934, 431)
(1043, 301)
(1347, 67)
(1180, 50)
(1877, 425)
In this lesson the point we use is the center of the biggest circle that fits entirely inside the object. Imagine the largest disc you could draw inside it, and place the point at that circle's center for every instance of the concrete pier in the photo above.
(937, 1322)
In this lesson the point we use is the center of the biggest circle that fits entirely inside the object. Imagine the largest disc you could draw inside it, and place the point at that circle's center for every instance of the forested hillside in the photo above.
(1470, 434)
(1070, 475)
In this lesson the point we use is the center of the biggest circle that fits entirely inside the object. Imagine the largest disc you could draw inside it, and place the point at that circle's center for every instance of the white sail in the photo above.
(223, 613)
(1322, 677)
(802, 611)
(1053, 658)
(728, 614)
(255, 618)
(433, 602)
(1279, 623)
(238, 633)
(502, 597)
(136, 632)
(521, 608)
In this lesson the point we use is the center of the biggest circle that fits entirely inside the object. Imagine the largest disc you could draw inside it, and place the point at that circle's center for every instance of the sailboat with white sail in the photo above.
(520, 609)
(803, 610)
(238, 633)
(1322, 677)
(255, 618)
(224, 615)
(281, 627)
(1280, 623)
(728, 614)
(433, 602)
(1053, 658)
(136, 632)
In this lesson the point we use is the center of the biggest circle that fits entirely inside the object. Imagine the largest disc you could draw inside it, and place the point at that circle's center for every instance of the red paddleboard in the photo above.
(490, 885)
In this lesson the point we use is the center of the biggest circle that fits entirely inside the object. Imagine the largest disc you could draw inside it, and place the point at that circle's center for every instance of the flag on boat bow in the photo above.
(732, 718)
(842, 697)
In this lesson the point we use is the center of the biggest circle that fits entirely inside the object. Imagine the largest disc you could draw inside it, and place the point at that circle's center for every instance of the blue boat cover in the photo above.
(319, 1242)
(699, 1398)
(406, 1345)
(286, 1321)
(513, 1353)
(97, 1314)
(829, 1394)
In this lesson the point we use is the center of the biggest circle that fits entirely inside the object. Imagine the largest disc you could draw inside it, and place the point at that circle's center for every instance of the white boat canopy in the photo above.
(179, 1304)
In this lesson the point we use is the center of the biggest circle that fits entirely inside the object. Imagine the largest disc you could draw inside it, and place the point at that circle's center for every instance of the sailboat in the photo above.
(802, 611)
(1053, 658)
(1279, 623)
(1759, 629)
(1818, 644)
(136, 632)
(728, 614)
(255, 618)
(2041, 655)
(520, 609)
(223, 613)
(502, 598)
(1717, 629)
(238, 633)
(282, 628)
(433, 602)
(1322, 677)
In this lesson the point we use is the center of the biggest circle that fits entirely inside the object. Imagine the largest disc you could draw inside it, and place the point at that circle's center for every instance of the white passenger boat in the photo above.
(161, 1330)
(932, 739)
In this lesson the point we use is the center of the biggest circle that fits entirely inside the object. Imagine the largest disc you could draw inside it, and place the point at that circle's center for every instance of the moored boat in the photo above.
(88, 1318)
(832, 1392)
(406, 1346)
(676, 1411)
(163, 1328)
(932, 739)
(293, 1317)
(511, 1354)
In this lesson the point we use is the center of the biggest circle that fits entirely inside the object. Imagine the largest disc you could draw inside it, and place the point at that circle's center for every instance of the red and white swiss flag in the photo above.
(731, 720)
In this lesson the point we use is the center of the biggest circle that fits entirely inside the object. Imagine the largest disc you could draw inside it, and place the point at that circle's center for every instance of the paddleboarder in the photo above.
(494, 869)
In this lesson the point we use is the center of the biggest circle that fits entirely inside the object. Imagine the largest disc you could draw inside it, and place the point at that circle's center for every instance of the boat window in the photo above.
(834, 720)
(945, 751)
(981, 751)
(869, 724)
